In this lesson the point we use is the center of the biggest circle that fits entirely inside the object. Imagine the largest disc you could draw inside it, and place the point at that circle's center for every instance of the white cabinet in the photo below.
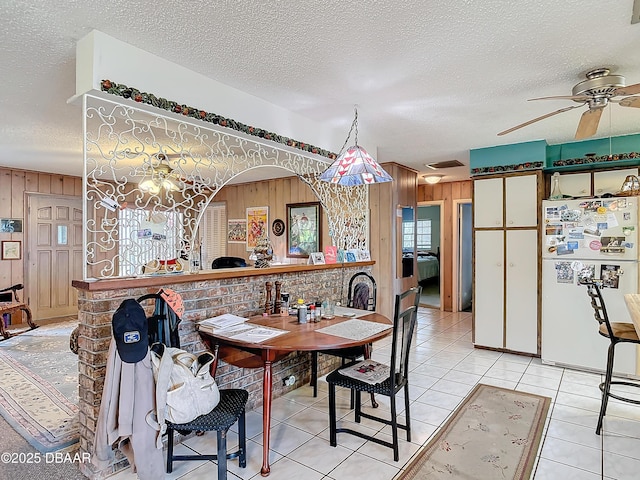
(574, 184)
(604, 181)
(610, 181)
(521, 206)
(487, 201)
(505, 202)
(521, 291)
(506, 261)
(488, 297)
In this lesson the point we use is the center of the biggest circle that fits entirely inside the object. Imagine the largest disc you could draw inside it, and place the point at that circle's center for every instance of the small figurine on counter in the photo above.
(263, 251)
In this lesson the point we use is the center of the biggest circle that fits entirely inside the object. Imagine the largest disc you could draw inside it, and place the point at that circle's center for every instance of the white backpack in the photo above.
(185, 388)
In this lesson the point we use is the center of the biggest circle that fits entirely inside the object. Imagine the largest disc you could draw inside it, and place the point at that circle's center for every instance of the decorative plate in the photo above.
(277, 227)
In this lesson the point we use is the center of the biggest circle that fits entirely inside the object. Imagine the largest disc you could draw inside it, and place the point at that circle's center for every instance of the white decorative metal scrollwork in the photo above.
(149, 177)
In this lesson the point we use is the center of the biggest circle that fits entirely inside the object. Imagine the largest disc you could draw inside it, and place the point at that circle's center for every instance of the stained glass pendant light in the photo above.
(354, 166)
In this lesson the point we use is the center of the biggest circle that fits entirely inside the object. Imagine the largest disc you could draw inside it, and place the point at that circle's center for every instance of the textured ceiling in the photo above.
(432, 79)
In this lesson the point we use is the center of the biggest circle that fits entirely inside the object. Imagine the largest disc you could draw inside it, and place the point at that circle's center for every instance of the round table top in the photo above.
(304, 336)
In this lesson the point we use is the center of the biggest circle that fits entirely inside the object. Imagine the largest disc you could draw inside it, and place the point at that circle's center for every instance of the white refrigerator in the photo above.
(600, 234)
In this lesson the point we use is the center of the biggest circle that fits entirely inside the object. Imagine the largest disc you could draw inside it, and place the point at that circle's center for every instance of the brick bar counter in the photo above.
(241, 291)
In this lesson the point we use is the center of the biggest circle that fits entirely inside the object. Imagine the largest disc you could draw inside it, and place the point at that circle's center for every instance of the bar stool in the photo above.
(616, 333)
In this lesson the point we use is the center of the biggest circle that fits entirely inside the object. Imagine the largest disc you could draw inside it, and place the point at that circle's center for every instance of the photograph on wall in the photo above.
(257, 225)
(303, 229)
(10, 225)
(609, 274)
(236, 230)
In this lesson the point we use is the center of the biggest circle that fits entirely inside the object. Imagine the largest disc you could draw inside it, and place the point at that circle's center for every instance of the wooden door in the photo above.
(54, 254)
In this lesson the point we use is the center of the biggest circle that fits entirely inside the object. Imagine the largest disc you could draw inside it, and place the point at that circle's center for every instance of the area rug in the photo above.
(493, 434)
(39, 386)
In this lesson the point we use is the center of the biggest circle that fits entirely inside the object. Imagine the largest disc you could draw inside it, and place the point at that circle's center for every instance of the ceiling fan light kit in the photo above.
(597, 91)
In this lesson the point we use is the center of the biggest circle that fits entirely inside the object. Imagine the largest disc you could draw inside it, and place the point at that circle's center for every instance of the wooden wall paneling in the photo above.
(17, 211)
(31, 182)
(56, 184)
(446, 251)
(68, 185)
(44, 183)
(5, 212)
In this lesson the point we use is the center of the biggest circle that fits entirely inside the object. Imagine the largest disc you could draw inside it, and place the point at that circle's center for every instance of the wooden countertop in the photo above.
(104, 284)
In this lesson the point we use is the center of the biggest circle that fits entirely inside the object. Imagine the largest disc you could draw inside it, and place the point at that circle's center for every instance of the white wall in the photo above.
(100, 56)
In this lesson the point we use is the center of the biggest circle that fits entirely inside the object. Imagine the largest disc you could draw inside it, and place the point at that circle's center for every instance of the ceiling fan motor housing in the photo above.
(599, 84)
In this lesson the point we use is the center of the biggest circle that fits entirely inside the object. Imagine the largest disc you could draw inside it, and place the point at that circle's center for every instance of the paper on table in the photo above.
(258, 334)
(355, 329)
(221, 322)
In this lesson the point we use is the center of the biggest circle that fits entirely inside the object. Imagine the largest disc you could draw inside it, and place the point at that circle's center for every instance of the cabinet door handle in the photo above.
(511, 264)
(499, 264)
(510, 222)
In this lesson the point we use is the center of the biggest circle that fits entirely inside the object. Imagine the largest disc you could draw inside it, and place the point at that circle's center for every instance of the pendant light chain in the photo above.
(354, 126)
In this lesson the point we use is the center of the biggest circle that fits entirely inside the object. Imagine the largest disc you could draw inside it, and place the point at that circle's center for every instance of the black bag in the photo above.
(163, 323)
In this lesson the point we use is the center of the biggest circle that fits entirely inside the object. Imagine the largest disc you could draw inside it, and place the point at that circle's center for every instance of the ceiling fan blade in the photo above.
(589, 123)
(566, 109)
(628, 90)
(577, 98)
(630, 102)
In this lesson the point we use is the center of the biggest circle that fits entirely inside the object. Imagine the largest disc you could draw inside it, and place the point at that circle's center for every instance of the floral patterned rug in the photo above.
(494, 434)
(39, 386)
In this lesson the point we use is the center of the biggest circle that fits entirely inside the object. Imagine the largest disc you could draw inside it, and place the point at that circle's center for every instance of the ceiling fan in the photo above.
(597, 91)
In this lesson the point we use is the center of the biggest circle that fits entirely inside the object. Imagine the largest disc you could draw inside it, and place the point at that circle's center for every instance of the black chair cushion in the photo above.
(226, 413)
(228, 262)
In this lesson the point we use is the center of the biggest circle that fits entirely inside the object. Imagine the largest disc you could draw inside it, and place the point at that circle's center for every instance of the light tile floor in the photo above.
(445, 367)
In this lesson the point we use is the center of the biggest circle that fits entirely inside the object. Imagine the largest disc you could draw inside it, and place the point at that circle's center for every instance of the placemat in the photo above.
(355, 329)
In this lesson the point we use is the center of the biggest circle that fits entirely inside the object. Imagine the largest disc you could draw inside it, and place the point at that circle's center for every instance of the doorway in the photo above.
(463, 260)
(428, 250)
(55, 258)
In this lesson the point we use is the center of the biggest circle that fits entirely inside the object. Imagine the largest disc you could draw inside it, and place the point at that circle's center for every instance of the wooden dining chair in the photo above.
(616, 333)
(362, 295)
(404, 321)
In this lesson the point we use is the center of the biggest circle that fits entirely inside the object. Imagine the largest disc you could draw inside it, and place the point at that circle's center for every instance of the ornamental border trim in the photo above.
(136, 95)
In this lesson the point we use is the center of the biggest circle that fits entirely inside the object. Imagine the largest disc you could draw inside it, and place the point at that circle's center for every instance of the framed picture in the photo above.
(10, 225)
(257, 225)
(236, 230)
(304, 229)
(11, 250)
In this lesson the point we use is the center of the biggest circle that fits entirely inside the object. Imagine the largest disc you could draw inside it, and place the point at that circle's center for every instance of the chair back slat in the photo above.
(404, 322)
(599, 307)
(362, 292)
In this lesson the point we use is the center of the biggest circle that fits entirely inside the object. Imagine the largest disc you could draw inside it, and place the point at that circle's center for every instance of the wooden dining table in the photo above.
(298, 337)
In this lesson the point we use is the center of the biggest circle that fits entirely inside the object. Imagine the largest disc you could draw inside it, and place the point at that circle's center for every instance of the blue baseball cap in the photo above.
(130, 331)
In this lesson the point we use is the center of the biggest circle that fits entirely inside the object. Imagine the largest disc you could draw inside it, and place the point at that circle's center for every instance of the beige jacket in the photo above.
(127, 397)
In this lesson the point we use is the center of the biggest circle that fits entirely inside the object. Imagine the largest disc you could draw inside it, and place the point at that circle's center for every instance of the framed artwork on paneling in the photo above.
(257, 225)
(237, 230)
(11, 250)
(304, 229)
